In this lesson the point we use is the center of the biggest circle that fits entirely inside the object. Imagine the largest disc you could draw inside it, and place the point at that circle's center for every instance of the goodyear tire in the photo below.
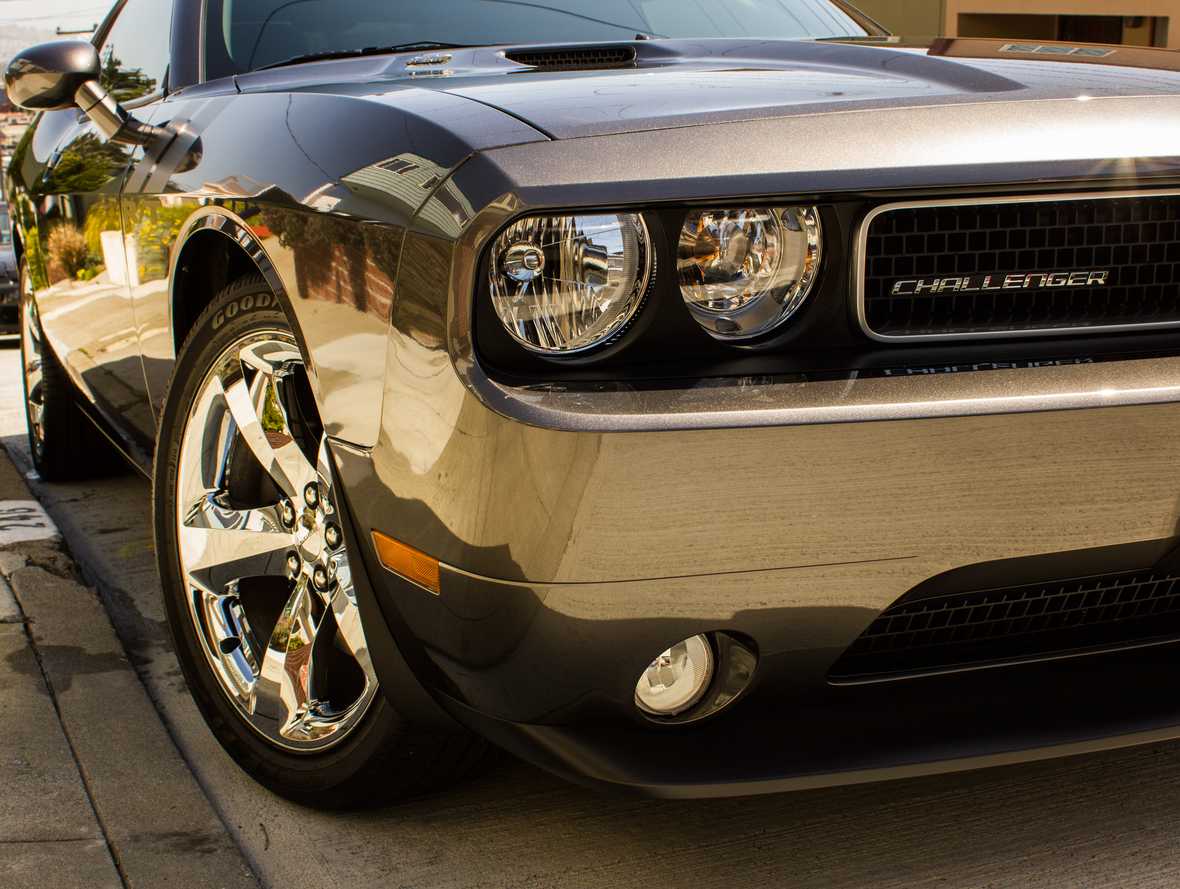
(257, 576)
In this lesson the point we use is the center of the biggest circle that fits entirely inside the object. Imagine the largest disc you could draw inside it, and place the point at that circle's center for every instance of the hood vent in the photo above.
(575, 59)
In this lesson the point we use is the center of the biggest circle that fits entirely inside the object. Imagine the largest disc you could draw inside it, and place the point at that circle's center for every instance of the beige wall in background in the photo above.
(910, 18)
(1169, 8)
(922, 18)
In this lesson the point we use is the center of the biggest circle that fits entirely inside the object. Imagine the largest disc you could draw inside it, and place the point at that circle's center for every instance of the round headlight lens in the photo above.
(562, 284)
(744, 272)
(676, 679)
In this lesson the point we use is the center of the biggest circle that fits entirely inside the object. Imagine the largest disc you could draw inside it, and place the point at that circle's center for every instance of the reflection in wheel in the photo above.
(257, 575)
(250, 539)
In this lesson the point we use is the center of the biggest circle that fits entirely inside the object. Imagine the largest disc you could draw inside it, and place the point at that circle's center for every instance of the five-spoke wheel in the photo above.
(259, 529)
(258, 575)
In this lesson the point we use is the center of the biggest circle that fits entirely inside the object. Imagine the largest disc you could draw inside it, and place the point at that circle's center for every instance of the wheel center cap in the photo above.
(309, 537)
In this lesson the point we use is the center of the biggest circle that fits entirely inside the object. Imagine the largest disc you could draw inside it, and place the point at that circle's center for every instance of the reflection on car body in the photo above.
(689, 398)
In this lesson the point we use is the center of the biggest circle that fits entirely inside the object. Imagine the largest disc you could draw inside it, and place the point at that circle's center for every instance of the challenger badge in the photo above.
(1020, 281)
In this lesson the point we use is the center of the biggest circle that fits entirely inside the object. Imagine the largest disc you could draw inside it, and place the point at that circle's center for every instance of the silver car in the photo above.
(692, 398)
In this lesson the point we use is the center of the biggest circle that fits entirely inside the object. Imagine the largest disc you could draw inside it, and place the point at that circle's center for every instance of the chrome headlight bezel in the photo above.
(745, 271)
(661, 339)
(523, 251)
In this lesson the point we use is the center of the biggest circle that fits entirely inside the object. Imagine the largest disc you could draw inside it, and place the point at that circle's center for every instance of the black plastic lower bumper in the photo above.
(882, 731)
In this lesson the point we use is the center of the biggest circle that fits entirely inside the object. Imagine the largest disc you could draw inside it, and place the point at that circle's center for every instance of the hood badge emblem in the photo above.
(434, 59)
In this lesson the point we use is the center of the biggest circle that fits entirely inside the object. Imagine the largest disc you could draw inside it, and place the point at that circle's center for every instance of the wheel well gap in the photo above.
(209, 262)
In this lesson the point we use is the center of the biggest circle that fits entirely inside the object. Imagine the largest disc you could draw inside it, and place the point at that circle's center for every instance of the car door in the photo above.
(79, 262)
(135, 56)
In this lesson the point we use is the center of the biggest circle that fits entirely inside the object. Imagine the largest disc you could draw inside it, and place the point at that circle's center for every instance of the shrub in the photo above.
(67, 249)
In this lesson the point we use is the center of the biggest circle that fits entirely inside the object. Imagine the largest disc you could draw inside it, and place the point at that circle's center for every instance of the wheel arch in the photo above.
(216, 249)
(18, 244)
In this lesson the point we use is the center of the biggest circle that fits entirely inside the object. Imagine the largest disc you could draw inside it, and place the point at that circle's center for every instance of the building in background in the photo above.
(1073, 21)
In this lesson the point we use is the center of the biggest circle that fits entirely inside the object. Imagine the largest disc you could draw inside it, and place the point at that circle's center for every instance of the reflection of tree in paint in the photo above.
(103, 217)
(124, 84)
(86, 166)
(156, 232)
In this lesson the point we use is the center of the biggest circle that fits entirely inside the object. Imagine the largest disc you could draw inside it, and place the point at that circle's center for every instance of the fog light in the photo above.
(677, 679)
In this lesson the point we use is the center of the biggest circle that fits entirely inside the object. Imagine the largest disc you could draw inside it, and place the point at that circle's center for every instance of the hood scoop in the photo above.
(574, 58)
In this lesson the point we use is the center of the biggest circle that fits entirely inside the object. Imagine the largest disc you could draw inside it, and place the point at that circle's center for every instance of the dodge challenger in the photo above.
(691, 397)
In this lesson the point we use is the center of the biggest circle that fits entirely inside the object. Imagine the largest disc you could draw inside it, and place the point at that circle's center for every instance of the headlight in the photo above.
(744, 272)
(562, 284)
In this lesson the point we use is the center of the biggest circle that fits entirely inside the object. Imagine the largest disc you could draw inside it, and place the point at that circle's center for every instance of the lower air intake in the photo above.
(1013, 624)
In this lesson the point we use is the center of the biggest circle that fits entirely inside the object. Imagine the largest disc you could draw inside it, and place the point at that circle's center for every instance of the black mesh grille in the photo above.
(1023, 266)
(1016, 623)
(575, 59)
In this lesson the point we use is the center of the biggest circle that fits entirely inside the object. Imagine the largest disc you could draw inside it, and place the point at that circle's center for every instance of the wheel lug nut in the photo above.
(319, 577)
(311, 495)
(287, 513)
(294, 563)
(333, 536)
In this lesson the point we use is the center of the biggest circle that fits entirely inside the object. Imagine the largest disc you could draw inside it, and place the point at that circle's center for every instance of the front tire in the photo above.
(257, 575)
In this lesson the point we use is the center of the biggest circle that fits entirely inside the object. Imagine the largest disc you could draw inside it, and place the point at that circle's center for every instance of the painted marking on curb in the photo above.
(22, 520)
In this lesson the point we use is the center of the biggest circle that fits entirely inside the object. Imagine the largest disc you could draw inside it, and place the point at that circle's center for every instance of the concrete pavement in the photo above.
(93, 792)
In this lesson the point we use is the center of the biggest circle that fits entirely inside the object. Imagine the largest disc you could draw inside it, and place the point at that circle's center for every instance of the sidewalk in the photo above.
(93, 792)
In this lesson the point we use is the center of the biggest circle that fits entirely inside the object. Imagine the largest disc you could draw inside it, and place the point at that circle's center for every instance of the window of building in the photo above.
(1135, 30)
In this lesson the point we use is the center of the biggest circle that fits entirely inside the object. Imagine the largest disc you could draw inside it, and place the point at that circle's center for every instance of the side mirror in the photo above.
(56, 76)
(47, 77)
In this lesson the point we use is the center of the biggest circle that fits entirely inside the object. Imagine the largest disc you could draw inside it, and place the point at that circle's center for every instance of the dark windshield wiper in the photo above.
(356, 53)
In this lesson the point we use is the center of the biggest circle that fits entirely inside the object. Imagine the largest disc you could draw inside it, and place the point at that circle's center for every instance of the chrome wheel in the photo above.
(262, 553)
(32, 362)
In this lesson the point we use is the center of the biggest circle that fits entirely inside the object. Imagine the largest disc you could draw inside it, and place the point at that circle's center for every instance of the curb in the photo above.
(96, 792)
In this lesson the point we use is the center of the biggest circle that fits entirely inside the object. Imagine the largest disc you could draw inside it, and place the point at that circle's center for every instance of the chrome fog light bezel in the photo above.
(695, 651)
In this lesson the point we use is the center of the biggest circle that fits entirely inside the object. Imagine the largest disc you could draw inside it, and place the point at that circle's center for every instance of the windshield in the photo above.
(257, 33)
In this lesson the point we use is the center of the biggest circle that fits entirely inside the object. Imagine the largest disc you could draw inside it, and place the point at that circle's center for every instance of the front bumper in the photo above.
(572, 556)
(1000, 717)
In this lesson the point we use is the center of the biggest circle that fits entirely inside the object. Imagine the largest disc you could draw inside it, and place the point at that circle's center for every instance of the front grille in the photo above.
(575, 59)
(1001, 268)
(1015, 623)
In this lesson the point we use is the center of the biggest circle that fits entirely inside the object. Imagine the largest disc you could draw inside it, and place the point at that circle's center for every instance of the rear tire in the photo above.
(64, 442)
(257, 576)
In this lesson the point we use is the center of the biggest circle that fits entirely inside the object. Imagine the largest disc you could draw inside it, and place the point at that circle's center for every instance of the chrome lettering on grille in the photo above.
(972, 283)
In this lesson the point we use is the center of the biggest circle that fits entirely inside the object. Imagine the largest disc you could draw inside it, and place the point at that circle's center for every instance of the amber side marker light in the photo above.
(407, 561)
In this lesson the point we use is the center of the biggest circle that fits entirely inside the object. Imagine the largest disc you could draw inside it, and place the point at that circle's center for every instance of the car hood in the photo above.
(705, 83)
(671, 84)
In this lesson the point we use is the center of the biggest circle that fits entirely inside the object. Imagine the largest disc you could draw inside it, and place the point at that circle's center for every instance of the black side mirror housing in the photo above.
(64, 74)
(47, 77)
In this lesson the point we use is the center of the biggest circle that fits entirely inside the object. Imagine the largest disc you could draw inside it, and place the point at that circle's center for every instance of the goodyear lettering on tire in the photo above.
(245, 304)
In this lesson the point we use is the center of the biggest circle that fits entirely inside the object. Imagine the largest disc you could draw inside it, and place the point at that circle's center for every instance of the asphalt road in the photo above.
(1105, 819)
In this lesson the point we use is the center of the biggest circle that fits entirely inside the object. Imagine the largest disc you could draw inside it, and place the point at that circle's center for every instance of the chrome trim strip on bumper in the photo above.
(859, 259)
(853, 400)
